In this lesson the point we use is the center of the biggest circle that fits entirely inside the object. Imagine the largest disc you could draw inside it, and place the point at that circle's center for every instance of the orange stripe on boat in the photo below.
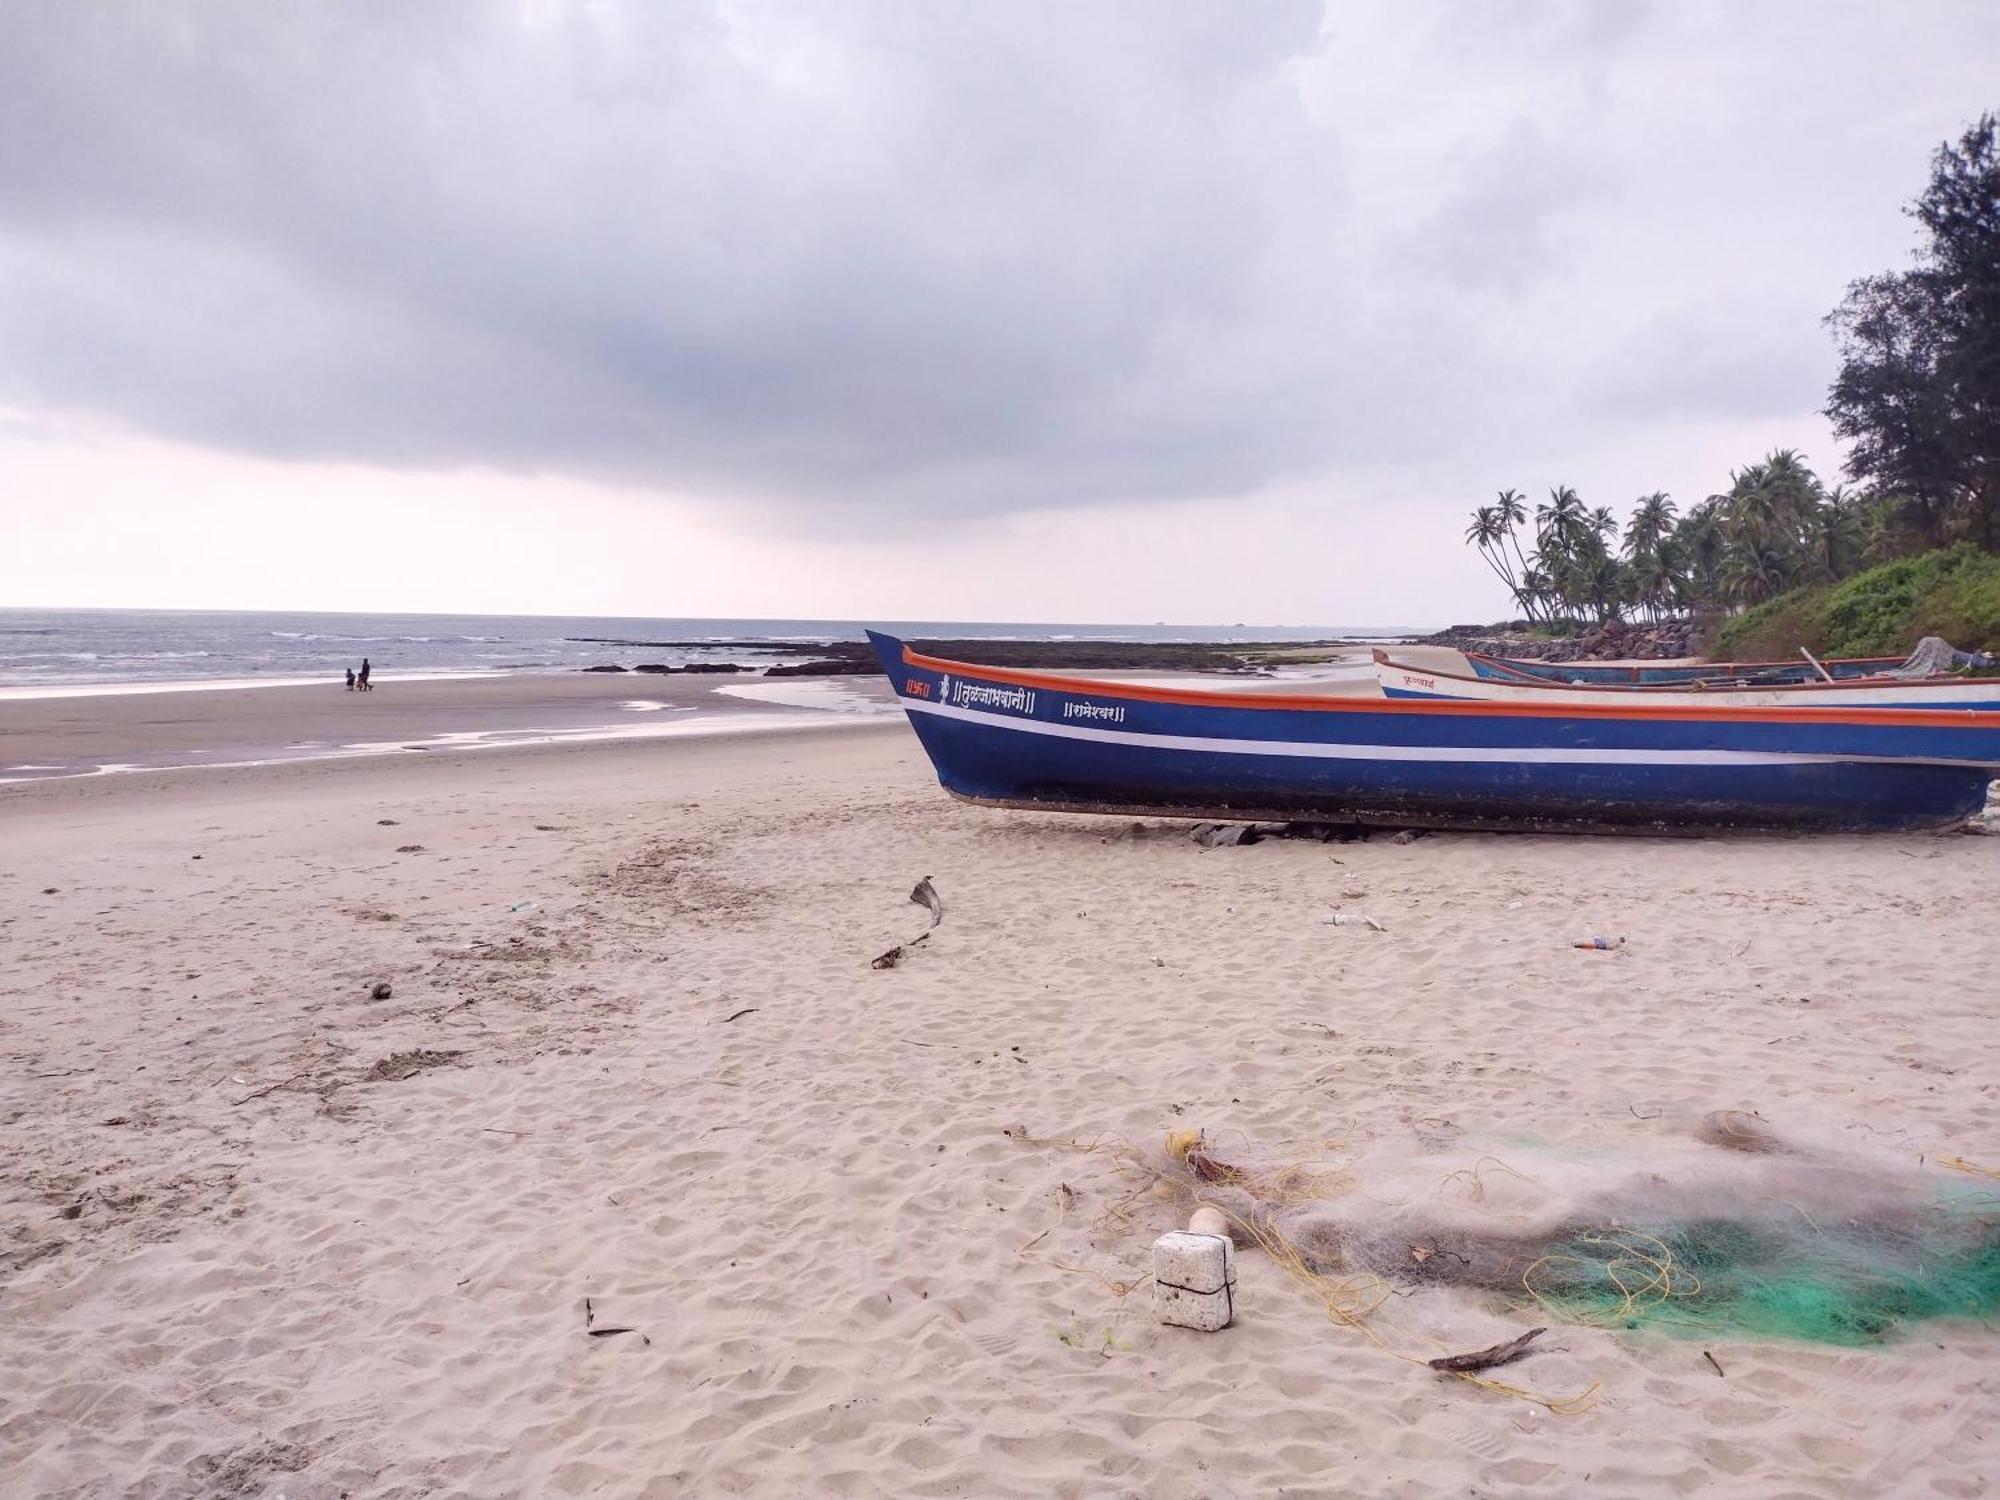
(1913, 718)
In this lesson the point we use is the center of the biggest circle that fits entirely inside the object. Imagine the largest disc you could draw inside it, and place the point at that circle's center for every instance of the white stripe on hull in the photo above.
(1550, 755)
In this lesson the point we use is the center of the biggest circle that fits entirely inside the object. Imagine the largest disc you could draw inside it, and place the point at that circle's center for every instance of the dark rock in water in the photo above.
(716, 666)
(1250, 657)
(823, 669)
(1612, 640)
(644, 666)
(603, 669)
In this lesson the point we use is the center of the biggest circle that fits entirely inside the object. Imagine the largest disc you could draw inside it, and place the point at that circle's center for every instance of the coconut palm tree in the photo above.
(1563, 518)
(1511, 510)
(1834, 534)
(1484, 533)
(1561, 529)
(1753, 572)
(1652, 521)
(1608, 586)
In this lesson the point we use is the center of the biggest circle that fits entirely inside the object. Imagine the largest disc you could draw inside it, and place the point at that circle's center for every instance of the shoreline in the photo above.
(130, 688)
(63, 735)
(65, 738)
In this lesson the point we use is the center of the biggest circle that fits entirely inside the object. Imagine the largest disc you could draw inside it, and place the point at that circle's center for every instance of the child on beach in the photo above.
(350, 679)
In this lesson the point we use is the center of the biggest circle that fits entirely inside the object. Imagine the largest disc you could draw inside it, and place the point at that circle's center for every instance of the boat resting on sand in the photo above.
(1401, 680)
(1044, 741)
(1668, 674)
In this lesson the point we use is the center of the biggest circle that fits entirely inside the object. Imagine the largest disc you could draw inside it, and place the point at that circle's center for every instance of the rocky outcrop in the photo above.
(1614, 640)
(828, 668)
(696, 667)
(604, 669)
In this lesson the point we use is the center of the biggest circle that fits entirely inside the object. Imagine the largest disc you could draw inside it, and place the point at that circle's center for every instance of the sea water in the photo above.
(68, 650)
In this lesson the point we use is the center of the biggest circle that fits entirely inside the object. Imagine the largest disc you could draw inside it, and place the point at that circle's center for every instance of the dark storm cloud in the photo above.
(984, 257)
(979, 258)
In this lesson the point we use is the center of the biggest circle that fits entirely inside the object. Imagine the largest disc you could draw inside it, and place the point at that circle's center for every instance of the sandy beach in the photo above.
(873, 1231)
(201, 726)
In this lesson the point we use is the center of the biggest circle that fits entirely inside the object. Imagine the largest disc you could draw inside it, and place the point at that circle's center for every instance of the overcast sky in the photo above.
(1078, 311)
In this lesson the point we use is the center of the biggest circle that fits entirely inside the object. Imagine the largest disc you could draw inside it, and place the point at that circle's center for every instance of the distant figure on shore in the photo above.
(350, 679)
(363, 679)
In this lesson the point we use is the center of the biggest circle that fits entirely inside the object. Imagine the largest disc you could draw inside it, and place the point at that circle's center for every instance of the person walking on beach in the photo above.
(350, 679)
(364, 676)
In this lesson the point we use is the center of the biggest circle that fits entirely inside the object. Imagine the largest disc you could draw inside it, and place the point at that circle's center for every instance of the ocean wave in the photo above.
(367, 640)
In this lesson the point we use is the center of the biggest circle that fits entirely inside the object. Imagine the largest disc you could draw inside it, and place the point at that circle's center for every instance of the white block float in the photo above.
(1194, 1280)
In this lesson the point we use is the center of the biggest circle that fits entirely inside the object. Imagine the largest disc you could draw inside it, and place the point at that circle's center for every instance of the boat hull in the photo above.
(1040, 741)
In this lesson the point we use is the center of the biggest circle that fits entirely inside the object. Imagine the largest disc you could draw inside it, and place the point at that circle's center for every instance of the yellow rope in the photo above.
(1348, 1301)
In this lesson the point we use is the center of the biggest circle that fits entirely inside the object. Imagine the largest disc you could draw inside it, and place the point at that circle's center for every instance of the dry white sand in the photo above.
(264, 1235)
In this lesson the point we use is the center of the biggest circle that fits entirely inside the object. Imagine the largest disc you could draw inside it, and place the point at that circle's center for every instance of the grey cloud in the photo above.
(851, 258)
(1730, 357)
(984, 258)
(1499, 224)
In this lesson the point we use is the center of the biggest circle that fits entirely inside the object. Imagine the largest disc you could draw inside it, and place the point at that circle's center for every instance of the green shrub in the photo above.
(1954, 593)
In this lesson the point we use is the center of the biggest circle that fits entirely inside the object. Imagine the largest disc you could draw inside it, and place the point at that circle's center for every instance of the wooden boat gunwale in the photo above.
(1517, 666)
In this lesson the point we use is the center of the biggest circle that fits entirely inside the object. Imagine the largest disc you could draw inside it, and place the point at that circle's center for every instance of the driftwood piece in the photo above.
(1486, 1359)
(894, 956)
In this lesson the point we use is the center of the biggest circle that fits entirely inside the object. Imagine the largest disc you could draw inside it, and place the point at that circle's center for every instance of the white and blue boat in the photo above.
(1403, 679)
(1671, 674)
(1038, 740)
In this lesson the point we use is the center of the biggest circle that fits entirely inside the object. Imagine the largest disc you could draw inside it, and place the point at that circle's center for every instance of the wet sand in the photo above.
(67, 736)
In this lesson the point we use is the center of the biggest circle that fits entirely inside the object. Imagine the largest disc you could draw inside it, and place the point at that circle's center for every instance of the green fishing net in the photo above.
(1847, 1284)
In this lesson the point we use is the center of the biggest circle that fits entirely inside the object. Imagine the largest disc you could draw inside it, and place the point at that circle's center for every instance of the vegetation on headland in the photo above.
(1917, 398)
(1953, 592)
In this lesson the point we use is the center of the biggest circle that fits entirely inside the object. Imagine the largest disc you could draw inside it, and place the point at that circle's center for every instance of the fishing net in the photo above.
(1722, 1277)
(1763, 1238)
(1936, 656)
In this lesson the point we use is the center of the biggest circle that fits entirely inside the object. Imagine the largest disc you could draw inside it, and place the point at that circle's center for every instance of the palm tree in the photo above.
(1561, 527)
(1484, 533)
(1652, 521)
(1537, 588)
(1563, 518)
(1834, 534)
(1753, 572)
(1608, 586)
(1511, 510)
(1701, 542)
(1794, 488)
(1753, 505)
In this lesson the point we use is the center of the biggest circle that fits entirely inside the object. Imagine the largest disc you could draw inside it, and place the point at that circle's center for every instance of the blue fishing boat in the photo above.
(1044, 741)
